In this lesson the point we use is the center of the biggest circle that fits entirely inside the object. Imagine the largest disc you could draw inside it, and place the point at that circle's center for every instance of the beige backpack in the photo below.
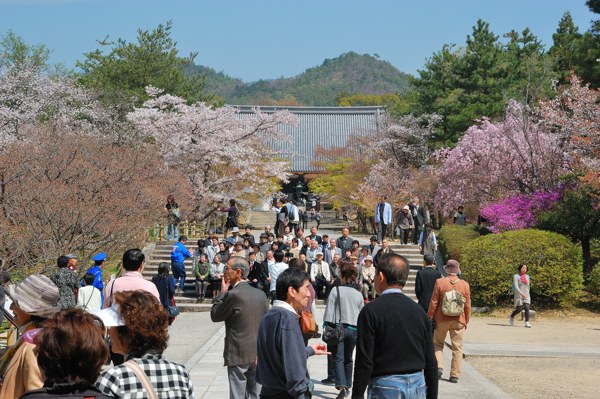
(453, 303)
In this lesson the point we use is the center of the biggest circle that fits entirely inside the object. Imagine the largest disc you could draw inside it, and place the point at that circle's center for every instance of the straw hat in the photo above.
(36, 295)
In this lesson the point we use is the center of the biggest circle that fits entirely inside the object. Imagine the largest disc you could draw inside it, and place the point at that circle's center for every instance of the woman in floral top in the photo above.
(67, 282)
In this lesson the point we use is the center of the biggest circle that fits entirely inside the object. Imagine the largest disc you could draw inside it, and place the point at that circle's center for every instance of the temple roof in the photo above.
(320, 126)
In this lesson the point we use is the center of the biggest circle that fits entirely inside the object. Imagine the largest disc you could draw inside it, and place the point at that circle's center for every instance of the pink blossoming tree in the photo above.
(574, 116)
(73, 178)
(396, 149)
(222, 153)
(496, 160)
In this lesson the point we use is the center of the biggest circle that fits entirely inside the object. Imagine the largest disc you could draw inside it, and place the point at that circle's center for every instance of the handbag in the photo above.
(171, 310)
(334, 334)
(309, 325)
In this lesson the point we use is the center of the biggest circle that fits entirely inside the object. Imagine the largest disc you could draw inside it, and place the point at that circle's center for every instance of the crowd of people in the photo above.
(265, 292)
(269, 256)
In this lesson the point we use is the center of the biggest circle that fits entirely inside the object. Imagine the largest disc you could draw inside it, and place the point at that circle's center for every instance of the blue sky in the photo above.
(268, 39)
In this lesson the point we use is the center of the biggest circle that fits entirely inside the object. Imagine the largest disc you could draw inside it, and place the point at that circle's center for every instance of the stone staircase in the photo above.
(415, 259)
(157, 252)
(186, 300)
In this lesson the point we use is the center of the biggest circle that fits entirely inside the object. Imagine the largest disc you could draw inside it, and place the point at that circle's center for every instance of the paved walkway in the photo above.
(209, 376)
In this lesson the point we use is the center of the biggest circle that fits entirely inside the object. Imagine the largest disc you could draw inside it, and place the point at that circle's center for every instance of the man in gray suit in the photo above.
(329, 253)
(242, 309)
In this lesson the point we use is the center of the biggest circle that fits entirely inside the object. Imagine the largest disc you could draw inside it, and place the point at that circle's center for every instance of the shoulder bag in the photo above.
(308, 323)
(85, 307)
(171, 310)
(143, 377)
(334, 334)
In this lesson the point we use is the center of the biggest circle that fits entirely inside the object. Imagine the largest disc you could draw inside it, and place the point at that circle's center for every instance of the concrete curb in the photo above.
(205, 348)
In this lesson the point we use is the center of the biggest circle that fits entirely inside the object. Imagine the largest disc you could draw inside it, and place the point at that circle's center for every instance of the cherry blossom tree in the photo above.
(574, 116)
(29, 97)
(496, 160)
(73, 177)
(222, 153)
(399, 146)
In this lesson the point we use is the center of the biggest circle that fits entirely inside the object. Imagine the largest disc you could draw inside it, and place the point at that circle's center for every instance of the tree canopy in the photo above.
(154, 60)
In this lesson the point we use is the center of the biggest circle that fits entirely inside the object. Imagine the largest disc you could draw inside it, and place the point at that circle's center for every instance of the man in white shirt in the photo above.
(383, 217)
(89, 297)
(275, 269)
(320, 275)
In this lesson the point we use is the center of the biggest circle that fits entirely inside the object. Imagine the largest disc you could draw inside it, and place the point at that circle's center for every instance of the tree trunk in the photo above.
(587, 256)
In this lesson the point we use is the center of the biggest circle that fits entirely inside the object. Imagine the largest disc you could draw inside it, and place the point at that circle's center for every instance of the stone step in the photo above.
(190, 280)
(152, 269)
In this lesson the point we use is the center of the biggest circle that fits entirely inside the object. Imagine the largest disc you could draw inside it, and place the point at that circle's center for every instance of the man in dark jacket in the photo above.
(385, 249)
(242, 309)
(344, 242)
(425, 282)
(282, 356)
(255, 276)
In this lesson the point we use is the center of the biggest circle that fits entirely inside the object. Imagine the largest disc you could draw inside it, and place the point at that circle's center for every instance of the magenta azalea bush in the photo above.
(518, 213)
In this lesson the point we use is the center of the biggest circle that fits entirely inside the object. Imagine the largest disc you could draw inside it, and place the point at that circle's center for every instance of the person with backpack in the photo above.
(521, 288)
(450, 308)
(294, 217)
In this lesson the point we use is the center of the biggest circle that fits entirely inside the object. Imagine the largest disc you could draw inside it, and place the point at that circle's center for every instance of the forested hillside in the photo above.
(350, 72)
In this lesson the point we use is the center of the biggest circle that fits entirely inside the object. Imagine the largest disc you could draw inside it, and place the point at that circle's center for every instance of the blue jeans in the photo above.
(404, 386)
(172, 232)
(178, 270)
(342, 359)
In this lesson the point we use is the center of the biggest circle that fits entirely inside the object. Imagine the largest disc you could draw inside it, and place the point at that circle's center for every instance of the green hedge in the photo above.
(594, 281)
(554, 264)
(453, 239)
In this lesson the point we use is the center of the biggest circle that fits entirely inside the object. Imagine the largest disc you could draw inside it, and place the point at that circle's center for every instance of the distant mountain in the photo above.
(318, 86)
(216, 82)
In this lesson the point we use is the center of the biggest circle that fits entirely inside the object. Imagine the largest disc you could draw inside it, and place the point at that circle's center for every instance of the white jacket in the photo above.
(314, 270)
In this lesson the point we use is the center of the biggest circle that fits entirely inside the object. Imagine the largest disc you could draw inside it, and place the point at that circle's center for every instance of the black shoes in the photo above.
(327, 381)
(454, 380)
(440, 372)
(344, 393)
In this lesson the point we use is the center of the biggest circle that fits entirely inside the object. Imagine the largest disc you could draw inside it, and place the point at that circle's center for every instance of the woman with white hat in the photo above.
(32, 302)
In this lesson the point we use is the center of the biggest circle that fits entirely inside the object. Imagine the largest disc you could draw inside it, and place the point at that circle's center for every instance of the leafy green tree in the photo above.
(153, 61)
(466, 84)
(482, 71)
(530, 70)
(14, 52)
(436, 89)
(587, 50)
(565, 45)
(576, 215)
